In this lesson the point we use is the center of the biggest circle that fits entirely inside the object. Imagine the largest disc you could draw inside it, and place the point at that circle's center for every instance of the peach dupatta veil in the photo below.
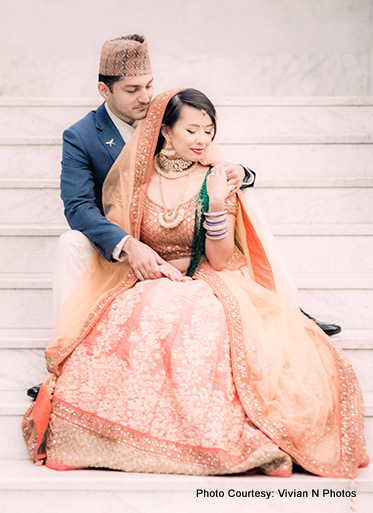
(294, 383)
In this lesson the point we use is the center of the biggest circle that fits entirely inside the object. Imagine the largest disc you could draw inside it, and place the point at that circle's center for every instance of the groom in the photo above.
(90, 148)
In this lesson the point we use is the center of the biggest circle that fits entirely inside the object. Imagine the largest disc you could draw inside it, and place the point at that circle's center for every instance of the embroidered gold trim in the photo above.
(70, 423)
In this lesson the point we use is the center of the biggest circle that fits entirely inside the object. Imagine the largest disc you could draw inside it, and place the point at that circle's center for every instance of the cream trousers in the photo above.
(73, 254)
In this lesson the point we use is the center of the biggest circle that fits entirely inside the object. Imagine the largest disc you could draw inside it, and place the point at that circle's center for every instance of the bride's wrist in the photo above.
(216, 205)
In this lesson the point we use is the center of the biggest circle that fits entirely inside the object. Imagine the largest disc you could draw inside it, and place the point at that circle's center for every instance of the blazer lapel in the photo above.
(108, 133)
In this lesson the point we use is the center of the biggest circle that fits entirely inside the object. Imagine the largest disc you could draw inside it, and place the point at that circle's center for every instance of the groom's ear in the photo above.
(103, 90)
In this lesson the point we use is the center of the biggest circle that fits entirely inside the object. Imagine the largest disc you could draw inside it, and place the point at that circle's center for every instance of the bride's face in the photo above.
(192, 133)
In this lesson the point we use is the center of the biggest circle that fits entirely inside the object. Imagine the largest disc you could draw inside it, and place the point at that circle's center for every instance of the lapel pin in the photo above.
(110, 143)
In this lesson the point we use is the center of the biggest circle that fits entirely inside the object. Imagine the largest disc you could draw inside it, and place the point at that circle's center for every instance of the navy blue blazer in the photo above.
(86, 160)
(89, 149)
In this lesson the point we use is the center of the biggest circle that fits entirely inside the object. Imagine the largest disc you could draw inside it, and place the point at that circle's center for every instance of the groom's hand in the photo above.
(235, 174)
(144, 261)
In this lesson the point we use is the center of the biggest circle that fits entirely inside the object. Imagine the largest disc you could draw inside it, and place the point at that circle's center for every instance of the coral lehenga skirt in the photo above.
(184, 377)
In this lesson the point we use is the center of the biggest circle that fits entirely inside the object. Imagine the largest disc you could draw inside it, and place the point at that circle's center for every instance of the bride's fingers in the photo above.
(217, 173)
(174, 276)
(171, 272)
(219, 185)
(217, 178)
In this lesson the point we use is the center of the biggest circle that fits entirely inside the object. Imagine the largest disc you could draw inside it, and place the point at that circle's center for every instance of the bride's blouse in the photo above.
(174, 243)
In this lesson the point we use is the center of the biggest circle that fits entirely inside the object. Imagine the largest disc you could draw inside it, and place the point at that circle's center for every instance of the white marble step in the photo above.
(327, 253)
(343, 248)
(34, 254)
(344, 299)
(31, 206)
(277, 120)
(22, 362)
(244, 117)
(36, 338)
(24, 486)
(32, 202)
(302, 160)
(316, 205)
(272, 158)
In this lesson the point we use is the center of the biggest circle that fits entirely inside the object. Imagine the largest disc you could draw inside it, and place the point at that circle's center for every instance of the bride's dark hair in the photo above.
(191, 97)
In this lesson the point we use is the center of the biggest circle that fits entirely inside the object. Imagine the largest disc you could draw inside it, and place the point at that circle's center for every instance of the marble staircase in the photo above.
(313, 158)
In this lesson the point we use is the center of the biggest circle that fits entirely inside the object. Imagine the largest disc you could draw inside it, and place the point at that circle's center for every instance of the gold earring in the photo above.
(168, 150)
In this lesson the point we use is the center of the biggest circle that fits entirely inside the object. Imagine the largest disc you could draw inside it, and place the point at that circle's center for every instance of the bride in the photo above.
(211, 369)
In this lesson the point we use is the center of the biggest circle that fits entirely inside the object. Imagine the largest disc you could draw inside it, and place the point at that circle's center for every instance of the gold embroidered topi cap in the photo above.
(126, 56)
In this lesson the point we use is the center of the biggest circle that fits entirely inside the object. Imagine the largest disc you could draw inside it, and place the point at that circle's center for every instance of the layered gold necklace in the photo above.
(172, 169)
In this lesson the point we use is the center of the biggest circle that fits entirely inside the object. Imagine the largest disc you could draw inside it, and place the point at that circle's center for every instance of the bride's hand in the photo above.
(170, 272)
(217, 188)
(235, 174)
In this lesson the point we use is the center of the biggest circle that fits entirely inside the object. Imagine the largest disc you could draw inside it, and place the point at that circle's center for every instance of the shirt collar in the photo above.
(124, 128)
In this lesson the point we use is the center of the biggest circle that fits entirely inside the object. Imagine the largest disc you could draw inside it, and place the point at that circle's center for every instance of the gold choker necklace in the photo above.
(173, 168)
